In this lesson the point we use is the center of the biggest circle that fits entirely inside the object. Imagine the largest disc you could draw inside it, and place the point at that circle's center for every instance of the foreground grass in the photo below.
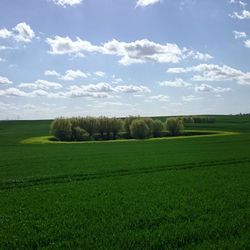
(164, 194)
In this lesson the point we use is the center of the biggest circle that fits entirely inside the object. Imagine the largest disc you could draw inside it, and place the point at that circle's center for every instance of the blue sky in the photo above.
(119, 58)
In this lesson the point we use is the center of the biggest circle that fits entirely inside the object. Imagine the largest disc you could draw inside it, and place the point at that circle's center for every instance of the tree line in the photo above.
(105, 128)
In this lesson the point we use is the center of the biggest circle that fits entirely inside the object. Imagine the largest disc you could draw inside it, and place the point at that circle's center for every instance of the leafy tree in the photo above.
(139, 129)
(127, 123)
(89, 124)
(80, 134)
(116, 126)
(157, 128)
(102, 125)
(174, 126)
(61, 128)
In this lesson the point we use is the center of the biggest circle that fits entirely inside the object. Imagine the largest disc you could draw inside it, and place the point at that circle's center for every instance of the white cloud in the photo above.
(161, 98)
(238, 34)
(64, 45)
(144, 3)
(139, 51)
(69, 75)
(64, 3)
(13, 92)
(4, 33)
(4, 80)
(177, 83)
(190, 98)
(245, 14)
(142, 51)
(132, 89)
(100, 73)
(22, 32)
(41, 84)
(208, 88)
(213, 72)
(247, 43)
(72, 75)
(197, 55)
(243, 4)
(51, 73)
(99, 87)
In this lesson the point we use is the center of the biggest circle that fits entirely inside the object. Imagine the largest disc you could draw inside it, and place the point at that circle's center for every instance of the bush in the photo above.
(61, 128)
(157, 128)
(139, 129)
(174, 126)
(80, 134)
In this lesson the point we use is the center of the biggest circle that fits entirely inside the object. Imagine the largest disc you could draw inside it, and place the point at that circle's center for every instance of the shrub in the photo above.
(80, 134)
(61, 128)
(157, 128)
(174, 126)
(139, 129)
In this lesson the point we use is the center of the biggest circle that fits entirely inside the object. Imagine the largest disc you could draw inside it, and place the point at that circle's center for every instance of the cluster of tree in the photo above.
(90, 128)
(244, 114)
(86, 128)
(198, 119)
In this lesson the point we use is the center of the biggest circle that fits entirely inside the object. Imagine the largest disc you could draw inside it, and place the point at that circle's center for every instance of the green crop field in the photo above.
(190, 193)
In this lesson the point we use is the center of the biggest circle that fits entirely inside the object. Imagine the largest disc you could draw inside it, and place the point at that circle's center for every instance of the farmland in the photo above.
(190, 193)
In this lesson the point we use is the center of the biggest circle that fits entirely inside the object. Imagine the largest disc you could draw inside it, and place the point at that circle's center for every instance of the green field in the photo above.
(190, 193)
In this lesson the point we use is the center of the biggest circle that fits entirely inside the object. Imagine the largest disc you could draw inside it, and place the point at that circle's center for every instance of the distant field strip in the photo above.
(207, 133)
(29, 182)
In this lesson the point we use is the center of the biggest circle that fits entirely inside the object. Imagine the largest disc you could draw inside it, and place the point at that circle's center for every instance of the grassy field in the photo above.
(190, 193)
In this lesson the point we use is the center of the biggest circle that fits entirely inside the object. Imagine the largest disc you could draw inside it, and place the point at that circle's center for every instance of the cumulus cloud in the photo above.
(41, 84)
(99, 90)
(190, 98)
(238, 34)
(177, 83)
(247, 43)
(72, 75)
(4, 80)
(208, 88)
(139, 51)
(213, 72)
(132, 89)
(144, 3)
(22, 32)
(100, 73)
(51, 73)
(69, 75)
(197, 55)
(161, 98)
(245, 14)
(13, 92)
(4, 33)
(242, 3)
(65, 3)
(64, 45)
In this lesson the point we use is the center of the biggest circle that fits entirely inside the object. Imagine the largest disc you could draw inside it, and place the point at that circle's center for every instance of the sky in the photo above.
(123, 57)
